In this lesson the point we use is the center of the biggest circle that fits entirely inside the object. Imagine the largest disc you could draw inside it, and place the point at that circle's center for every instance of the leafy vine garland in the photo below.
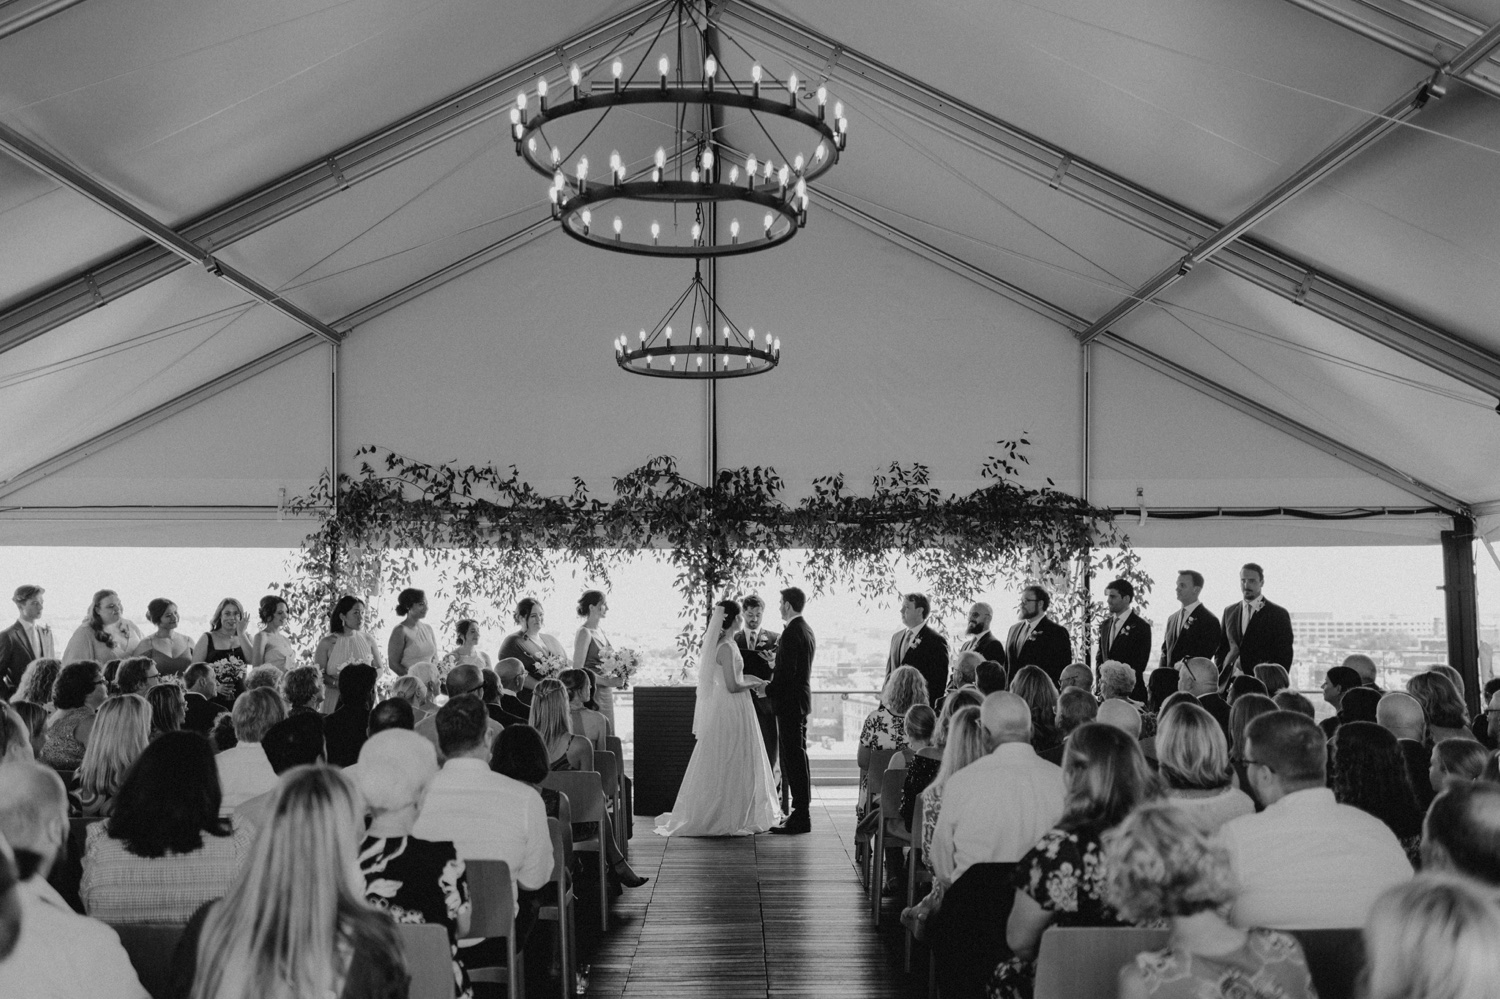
(493, 538)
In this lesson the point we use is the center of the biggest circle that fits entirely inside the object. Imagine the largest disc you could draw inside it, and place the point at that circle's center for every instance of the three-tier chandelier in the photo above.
(678, 142)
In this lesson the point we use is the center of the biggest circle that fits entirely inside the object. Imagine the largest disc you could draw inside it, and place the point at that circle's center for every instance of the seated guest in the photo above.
(137, 675)
(989, 676)
(921, 758)
(1274, 677)
(58, 954)
(1456, 760)
(1193, 763)
(884, 728)
(201, 697)
(1365, 667)
(344, 728)
(1447, 718)
(1243, 685)
(1486, 725)
(37, 682)
(253, 942)
(1040, 694)
(1338, 682)
(1060, 882)
(993, 811)
(1290, 700)
(1161, 684)
(413, 691)
(521, 755)
(1454, 676)
(963, 697)
(1119, 713)
(462, 680)
(512, 675)
(122, 731)
(1076, 675)
(165, 850)
(302, 689)
(1161, 864)
(35, 718)
(79, 691)
(1306, 862)
(1361, 704)
(391, 713)
(1433, 938)
(1200, 677)
(428, 674)
(15, 737)
(264, 676)
(1461, 834)
(168, 708)
(1368, 772)
(549, 716)
(415, 880)
(222, 737)
(1112, 682)
(587, 723)
(1075, 707)
(1402, 716)
(244, 771)
(965, 669)
(295, 741)
(1245, 710)
(484, 815)
(966, 742)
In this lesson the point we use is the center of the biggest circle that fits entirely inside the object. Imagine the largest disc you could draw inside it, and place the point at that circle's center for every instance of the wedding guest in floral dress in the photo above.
(885, 727)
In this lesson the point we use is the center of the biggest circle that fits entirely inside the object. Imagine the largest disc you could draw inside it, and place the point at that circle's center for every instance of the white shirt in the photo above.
(1187, 611)
(244, 773)
(61, 954)
(1248, 609)
(995, 809)
(487, 816)
(427, 729)
(1307, 862)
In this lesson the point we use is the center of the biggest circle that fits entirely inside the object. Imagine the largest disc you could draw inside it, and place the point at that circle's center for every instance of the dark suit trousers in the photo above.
(795, 772)
(967, 935)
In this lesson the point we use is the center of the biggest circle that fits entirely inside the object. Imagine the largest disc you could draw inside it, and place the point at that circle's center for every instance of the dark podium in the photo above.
(663, 745)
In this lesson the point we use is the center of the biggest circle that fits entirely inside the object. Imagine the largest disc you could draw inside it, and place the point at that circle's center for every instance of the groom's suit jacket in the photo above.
(790, 689)
(16, 654)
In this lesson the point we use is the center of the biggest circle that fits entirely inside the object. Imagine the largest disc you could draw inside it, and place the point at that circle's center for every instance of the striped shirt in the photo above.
(119, 887)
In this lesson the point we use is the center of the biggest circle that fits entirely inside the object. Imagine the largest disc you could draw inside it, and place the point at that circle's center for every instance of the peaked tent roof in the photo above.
(1017, 170)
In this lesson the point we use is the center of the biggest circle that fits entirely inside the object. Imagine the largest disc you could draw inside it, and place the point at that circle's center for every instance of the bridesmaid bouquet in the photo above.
(622, 663)
(549, 665)
(229, 674)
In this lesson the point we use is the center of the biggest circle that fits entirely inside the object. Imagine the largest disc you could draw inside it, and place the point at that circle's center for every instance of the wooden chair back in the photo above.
(428, 959)
(891, 784)
(493, 916)
(608, 766)
(150, 947)
(585, 793)
(1335, 958)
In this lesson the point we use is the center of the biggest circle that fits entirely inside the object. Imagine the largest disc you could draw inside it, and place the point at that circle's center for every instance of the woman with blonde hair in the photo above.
(105, 633)
(1032, 685)
(554, 722)
(1433, 937)
(295, 922)
(122, 730)
(963, 697)
(966, 742)
(1161, 863)
(37, 682)
(1447, 717)
(885, 727)
(1274, 676)
(1456, 760)
(1193, 762)
(168, 708)
(414, 692)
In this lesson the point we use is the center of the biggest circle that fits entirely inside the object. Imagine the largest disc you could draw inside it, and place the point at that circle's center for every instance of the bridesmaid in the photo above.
(346, 642)
(225, 637)
(529, 644)
(589, 646)
(411, 641)
(171, 650)
(105, 633)
(270, 647)
(468, 652)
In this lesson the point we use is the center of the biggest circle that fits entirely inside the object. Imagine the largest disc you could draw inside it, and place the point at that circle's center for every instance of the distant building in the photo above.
(1314, 628)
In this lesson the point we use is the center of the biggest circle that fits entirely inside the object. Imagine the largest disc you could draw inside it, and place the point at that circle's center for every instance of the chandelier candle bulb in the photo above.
(661, 67)
(769, 221)
(541, 93)
(616, 68)
(798, 163)
(697, 231)
(668, 331)
(750, 165)
(791, 90)
(782, 176)
(619, 227)
(710, 70)
(576, 76)
(694, 175)
(531, 144)
(587, 218)
(755, 80)
(838, 109)
(655, 234)
(698, 334)
(820, 152)
(516, 128)
(734, 230)
(556, 156)
(734, 175)
(521, 101)
(708, 161)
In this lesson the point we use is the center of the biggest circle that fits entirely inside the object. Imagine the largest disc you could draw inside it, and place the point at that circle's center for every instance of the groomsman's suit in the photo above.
(753, 649)
(1048, 646)
(927, 651)
(1128, 643)
(17, 652)
(1198, 636)
(1267, 638)
(986, 645)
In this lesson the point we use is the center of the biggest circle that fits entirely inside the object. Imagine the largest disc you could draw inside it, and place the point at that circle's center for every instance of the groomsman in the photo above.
(25, 640)
(1124, 635)
(758, 648)
(1037, 640)
(920, 646)
(1255, 630)
(981, 639)
(1192, 631)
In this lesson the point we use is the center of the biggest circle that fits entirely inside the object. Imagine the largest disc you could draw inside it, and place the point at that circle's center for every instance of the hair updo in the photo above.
(156, 609)
(407, 599)
(591, 599)
(525, 607)
(731, 610)
(464, 627)
(268, 605)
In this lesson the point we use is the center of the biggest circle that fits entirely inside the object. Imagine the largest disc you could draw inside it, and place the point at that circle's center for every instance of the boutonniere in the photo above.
(915, 642)
(1125, 630)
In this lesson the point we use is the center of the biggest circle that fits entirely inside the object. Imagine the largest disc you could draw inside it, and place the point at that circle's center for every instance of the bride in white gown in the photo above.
(729, 789)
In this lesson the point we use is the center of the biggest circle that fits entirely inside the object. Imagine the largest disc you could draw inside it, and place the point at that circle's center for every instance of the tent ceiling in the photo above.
(183, 108)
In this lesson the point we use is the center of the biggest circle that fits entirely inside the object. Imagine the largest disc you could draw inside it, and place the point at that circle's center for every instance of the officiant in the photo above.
(758, 648)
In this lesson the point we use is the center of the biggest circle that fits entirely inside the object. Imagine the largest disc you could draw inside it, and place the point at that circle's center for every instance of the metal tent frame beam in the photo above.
(211, 388)
(324, 177)
(1273, 270)
(34, 15)
(1076, 324)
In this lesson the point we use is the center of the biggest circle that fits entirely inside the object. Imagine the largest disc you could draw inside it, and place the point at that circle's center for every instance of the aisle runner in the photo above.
(771, 917)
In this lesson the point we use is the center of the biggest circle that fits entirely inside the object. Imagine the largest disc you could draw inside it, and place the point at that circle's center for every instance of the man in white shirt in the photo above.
(59, 954)
(484, 815)
(994, 810)
(1306, 862)
(244, 770)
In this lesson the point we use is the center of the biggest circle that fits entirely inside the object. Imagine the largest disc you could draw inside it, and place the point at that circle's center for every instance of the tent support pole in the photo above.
(1461, 599)
(1088, 443)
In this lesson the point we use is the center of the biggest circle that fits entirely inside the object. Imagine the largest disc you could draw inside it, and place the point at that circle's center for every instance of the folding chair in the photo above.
(879, 760)
(586, 794)
(608, 765)
(150, 947)
(890, 832)
(916, 873)
(428, 958)
(494, 916)
(1086, 960)
(614, 745)
(561, 830)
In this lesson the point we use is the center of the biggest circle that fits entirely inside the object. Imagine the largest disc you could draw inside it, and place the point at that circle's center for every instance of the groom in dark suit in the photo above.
(790, 692)
(758, 648)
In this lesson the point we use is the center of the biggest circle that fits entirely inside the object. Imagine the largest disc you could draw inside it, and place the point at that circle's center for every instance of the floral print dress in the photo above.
(1270, 965)
(882, 730)
(417, 881)
(1064, 874)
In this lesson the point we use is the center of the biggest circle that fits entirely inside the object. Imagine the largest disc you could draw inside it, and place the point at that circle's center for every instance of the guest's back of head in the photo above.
(919, 724)
(1160, 685)
(1006, 717)
(461, 725)
(168, 707)
(903, 688)
(391, 713)
(1191, 752)
(1116, 679)
(1440, 699)
(1461, 832)
(1075, 706)
(1370, 773)
(1291, 746)
(357, 686)
(411, 690)
(263, 676)
(1162, 864)
(255, 711)
(37, 681)
(33, 808)
(1122, 715)
(295, 741)
(989, 676)
(1036, 688)
(302, 687)
(1290, 700)
(395, 767)
(1076, 675)
(1454, 676)
(967, 741)
(169, 798)
(1433, 938)
(134, 675)
(120, 733)
(1242, 713)
(1274, 677)
(520, 754)
(1242, 685)
(549, 711)
(963, 697)
(1461, 759)
(1402, 714)
(1106, 776)
(1199, 676)
(1362, 704)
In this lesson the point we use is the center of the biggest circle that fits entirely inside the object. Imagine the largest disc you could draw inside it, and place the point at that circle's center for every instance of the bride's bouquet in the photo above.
(622, 663)
(549, 665)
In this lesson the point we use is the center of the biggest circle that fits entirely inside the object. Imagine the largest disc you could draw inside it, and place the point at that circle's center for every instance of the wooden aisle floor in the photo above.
(763, 917)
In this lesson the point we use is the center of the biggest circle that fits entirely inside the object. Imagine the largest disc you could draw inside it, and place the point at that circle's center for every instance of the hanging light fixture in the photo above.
(696, 339)
(682, 175)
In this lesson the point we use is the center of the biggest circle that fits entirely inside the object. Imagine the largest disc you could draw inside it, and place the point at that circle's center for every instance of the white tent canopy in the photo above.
(1016, 171)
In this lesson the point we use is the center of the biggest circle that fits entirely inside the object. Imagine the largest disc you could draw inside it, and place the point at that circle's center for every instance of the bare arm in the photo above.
(1024, 930)
(580, 648)
(200, 648)
(725, 659)
(320, 654)
(396, 646)
(1132, 985)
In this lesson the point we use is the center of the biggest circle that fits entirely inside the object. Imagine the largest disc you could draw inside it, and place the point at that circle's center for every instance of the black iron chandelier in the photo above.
(705, 342)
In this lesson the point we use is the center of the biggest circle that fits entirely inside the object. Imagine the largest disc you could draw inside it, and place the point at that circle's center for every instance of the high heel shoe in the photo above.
(628, 878)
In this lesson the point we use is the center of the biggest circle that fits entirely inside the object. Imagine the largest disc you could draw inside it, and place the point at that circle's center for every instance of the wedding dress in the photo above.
(729, 789)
